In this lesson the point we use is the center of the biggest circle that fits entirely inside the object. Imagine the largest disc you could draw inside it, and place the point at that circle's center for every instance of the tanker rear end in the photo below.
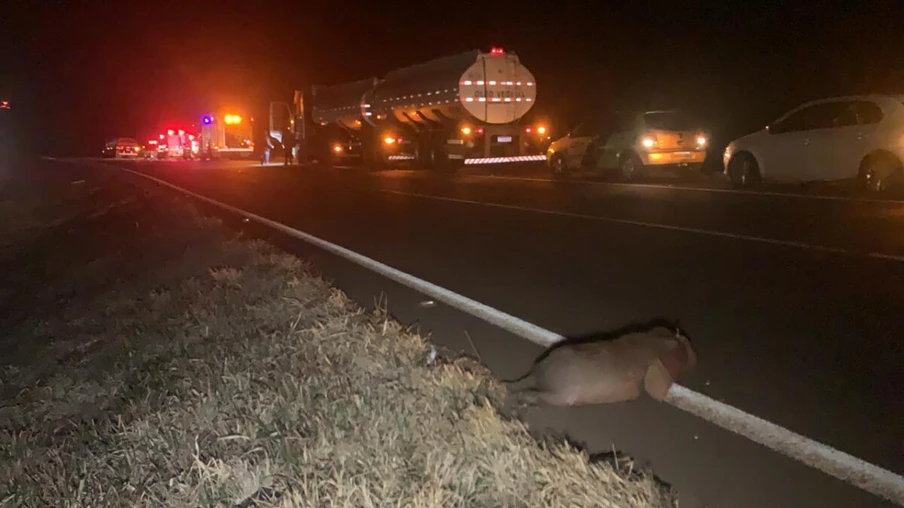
(460, 109)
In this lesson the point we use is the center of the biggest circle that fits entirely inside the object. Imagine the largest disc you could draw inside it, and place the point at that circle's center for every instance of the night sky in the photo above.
(78, 74)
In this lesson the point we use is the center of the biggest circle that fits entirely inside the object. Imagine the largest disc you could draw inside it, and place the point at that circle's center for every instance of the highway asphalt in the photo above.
(793, 303)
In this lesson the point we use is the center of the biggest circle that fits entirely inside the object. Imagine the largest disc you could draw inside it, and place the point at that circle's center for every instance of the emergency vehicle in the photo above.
(226, 134)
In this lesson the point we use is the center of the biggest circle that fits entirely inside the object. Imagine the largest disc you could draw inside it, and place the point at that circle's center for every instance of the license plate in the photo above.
(504, 139)
(684, 155)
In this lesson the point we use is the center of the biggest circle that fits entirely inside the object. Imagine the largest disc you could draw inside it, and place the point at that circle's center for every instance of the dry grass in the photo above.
(259, 380)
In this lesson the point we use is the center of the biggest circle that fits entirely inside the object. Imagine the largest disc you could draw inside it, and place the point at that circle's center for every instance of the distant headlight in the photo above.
(701, 140)
(648, 142)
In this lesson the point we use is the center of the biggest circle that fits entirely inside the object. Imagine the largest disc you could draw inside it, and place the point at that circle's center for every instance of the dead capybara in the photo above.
(607, 371)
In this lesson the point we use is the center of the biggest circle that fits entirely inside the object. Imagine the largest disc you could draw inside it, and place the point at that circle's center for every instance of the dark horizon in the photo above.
(78, 75)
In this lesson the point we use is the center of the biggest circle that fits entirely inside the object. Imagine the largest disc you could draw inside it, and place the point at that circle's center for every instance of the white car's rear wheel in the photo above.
(878, 172)
(743, 171)
(630, 166)
(558, 165)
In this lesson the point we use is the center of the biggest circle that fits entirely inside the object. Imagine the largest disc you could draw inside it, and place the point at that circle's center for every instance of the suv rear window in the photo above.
(669, 121)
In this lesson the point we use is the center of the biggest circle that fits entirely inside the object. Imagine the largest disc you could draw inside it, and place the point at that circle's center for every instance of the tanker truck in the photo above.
(460, 109)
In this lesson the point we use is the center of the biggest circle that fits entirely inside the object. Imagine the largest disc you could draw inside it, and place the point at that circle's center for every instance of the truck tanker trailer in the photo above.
(460, 109)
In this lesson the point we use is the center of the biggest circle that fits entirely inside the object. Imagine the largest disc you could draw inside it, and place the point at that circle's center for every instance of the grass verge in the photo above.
(182, 365)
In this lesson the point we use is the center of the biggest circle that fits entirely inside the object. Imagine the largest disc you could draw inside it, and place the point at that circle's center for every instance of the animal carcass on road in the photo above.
(607, 371)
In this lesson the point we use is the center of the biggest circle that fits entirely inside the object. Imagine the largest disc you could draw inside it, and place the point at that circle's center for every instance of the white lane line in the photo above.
(794, 195)
(845, 467)
(708, 232)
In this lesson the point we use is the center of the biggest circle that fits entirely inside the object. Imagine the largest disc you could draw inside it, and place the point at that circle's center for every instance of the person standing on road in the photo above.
(288, 145)
(265, 153)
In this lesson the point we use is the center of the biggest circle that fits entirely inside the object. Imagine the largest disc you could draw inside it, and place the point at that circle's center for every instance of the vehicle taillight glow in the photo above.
(337, 148)
(466, 130)
(541, 130)
(4, 104)
(497, 51)
(480, 130)
(389, 140)
(170, 132)
(528, 130)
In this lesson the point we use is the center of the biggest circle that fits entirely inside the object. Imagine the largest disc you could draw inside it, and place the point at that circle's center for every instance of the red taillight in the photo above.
(497, 51)
(480, 130)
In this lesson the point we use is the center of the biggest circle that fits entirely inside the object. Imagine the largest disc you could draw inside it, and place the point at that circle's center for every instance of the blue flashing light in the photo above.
(207, 120)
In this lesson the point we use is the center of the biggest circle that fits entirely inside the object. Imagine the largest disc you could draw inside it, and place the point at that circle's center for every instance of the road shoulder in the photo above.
(154, 357)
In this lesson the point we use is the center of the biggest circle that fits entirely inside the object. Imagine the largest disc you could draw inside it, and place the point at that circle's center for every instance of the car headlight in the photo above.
(648, 142)
(701, 141)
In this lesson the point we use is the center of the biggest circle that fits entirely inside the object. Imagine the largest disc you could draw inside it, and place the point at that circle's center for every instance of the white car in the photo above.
(636, 142)
(841, 138)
